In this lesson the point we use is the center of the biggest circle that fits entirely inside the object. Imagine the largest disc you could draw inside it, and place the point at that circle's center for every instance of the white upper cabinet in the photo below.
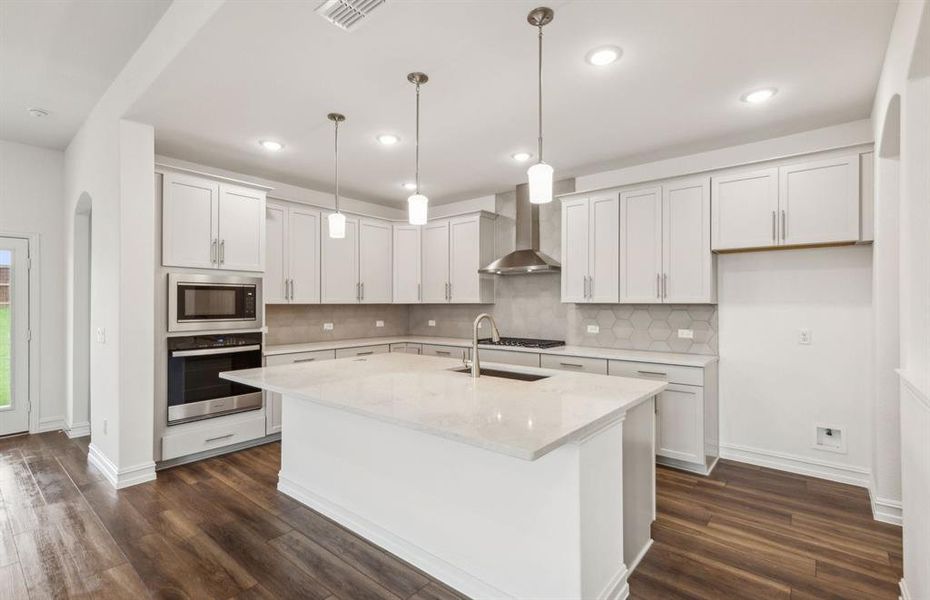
(641, 245)
(276, 284)
(189, 221)
(339, 271)
(819, 201)
(375, 262)
(435, 262)
(471, 246)
(406, 268)
(745, 209)
(590, 249)
(687, 262)
(211, 225)
(303, 264)
(792, 204)
(292, 254)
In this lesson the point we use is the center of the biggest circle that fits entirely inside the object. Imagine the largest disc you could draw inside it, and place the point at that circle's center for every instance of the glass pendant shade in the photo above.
(337, 225)
(539, 177)
(417, 209)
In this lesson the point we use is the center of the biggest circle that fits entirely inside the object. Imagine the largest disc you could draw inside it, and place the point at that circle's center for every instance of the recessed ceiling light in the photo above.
(387, 139)
(603, 56)
(271, 145)
(758, 96)
(410, 185)
(521, 156)
(37, 112)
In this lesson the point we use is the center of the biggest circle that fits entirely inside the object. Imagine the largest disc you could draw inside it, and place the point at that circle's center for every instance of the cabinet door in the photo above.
(275, 289)
(680, 423)
(641, 245)
(575, 250)
(272, 399)
(435, 261)
(374, 267)
(339, 265)
(604, 249)
(464, 255)
(304, 254)
(406, 264)
(189, 221)
(688, 261)
(242, 228)
(744, 208)
(819, 201)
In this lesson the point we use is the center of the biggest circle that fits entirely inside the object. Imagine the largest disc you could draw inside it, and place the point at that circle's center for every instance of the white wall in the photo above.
(31, 201)
(774, 391)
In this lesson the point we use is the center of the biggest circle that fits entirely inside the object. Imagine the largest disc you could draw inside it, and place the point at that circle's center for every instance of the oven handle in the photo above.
(208, 351)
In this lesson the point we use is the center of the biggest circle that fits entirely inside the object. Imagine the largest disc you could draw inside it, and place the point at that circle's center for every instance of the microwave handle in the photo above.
(208, 351)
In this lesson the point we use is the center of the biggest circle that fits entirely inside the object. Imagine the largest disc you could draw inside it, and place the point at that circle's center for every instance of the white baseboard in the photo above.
(801, 465)
(449, 574)
(618, 588)
(886, 510)
(78, 430)
(50, 424)
(639, 557)
(120, 478)
(905, 593)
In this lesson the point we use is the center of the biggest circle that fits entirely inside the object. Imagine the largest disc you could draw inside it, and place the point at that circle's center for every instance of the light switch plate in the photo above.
(594, 329)
(101, 335)
(379, 323)
(804, 337)
(686, 334)
(431, 323)
(327, 326)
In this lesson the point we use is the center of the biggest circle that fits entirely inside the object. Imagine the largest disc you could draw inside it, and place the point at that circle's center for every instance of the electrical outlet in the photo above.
(804, 337)
(431, 323)
(686, 334)
(327, 326)
(104, 426)
(594, 329)
(101, 335)
(379, 323)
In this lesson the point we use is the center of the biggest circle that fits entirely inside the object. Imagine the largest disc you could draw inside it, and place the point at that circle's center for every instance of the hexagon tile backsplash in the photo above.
(647, 327)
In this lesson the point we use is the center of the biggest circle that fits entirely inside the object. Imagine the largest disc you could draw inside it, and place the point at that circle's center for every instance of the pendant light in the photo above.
(539, 176)
(417, 204)
(337, 220)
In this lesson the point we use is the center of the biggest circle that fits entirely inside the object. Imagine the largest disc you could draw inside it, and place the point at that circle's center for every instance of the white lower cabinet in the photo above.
(508, 357)
(686, 412)
(362, 351)
(579, 364)
(273, 400)
(212, 434)
(407, 348)
(447, 351)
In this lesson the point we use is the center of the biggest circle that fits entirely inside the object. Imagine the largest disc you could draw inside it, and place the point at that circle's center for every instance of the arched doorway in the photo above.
(79, 407)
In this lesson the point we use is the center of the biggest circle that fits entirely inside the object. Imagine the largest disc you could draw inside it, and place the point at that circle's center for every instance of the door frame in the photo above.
(32, 307)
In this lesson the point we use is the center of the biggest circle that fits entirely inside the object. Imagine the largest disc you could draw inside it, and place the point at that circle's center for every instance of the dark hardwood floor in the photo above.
(219, 529)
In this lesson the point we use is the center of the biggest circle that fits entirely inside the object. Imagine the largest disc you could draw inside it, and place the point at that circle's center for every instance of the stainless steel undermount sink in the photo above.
(505, 374)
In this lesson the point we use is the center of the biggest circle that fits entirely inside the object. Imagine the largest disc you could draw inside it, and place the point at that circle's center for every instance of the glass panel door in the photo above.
(14, 328)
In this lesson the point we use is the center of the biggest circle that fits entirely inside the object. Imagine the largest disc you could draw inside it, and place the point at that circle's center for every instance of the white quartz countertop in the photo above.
(524, 419)
(666, 358)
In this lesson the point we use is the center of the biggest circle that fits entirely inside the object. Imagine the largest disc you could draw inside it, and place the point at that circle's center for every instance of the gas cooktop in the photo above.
(523, 342)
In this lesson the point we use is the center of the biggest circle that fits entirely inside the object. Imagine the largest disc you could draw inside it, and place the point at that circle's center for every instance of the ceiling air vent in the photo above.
(347, 14)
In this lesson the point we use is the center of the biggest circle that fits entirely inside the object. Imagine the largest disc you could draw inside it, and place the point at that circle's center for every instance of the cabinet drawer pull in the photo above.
(774, 238)
(784, 226)
(365, 353)
(653, 373)
(300, 360)
(443, 352)
(218, 438)
(575, 365)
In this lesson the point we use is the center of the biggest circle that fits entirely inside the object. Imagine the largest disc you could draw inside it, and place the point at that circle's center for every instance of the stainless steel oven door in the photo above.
(199, 302)
(195, 390)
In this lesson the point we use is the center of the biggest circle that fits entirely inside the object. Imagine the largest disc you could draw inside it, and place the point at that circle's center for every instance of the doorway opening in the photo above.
(14, 335)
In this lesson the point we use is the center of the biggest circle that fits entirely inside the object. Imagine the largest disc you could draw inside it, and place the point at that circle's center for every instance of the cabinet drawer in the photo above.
(299, 357)
(574, 363)
(363, 351)
(524, 359)
(406, 348)
(670, 373)
(208, 435)
(447, 351)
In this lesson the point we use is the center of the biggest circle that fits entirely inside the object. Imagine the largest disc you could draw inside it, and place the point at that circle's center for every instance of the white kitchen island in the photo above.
(500, 488)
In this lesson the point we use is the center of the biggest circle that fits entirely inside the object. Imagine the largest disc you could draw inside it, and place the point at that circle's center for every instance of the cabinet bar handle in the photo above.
(217, 438)
(300, 360)
(364, 353)
(363, 290)
(783, 226)
(658, 286)
(653, 373)
(443, 352)
(590, 287)
(419, 292)
(575, 365)
(222, 251)
(664, 285)
(774, 237)
(213, 252)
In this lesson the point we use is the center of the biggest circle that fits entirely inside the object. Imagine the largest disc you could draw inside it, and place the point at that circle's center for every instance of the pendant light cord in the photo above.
(539, 96)
(417, 145)
(336, 168)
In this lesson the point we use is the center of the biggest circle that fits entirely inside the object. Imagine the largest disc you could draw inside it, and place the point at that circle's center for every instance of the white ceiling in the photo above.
(258, 73)
(61, 55)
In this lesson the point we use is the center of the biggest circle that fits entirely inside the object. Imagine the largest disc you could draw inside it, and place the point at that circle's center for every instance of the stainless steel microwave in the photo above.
(214, 302)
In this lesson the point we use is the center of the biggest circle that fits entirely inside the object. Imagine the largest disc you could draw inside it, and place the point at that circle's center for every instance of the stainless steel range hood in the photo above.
(527, 259)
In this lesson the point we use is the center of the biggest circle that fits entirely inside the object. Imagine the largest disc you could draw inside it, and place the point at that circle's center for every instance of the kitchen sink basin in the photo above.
(504, 374)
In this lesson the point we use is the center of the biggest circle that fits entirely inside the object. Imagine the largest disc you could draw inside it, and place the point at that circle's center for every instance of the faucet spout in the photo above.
(495, 336)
